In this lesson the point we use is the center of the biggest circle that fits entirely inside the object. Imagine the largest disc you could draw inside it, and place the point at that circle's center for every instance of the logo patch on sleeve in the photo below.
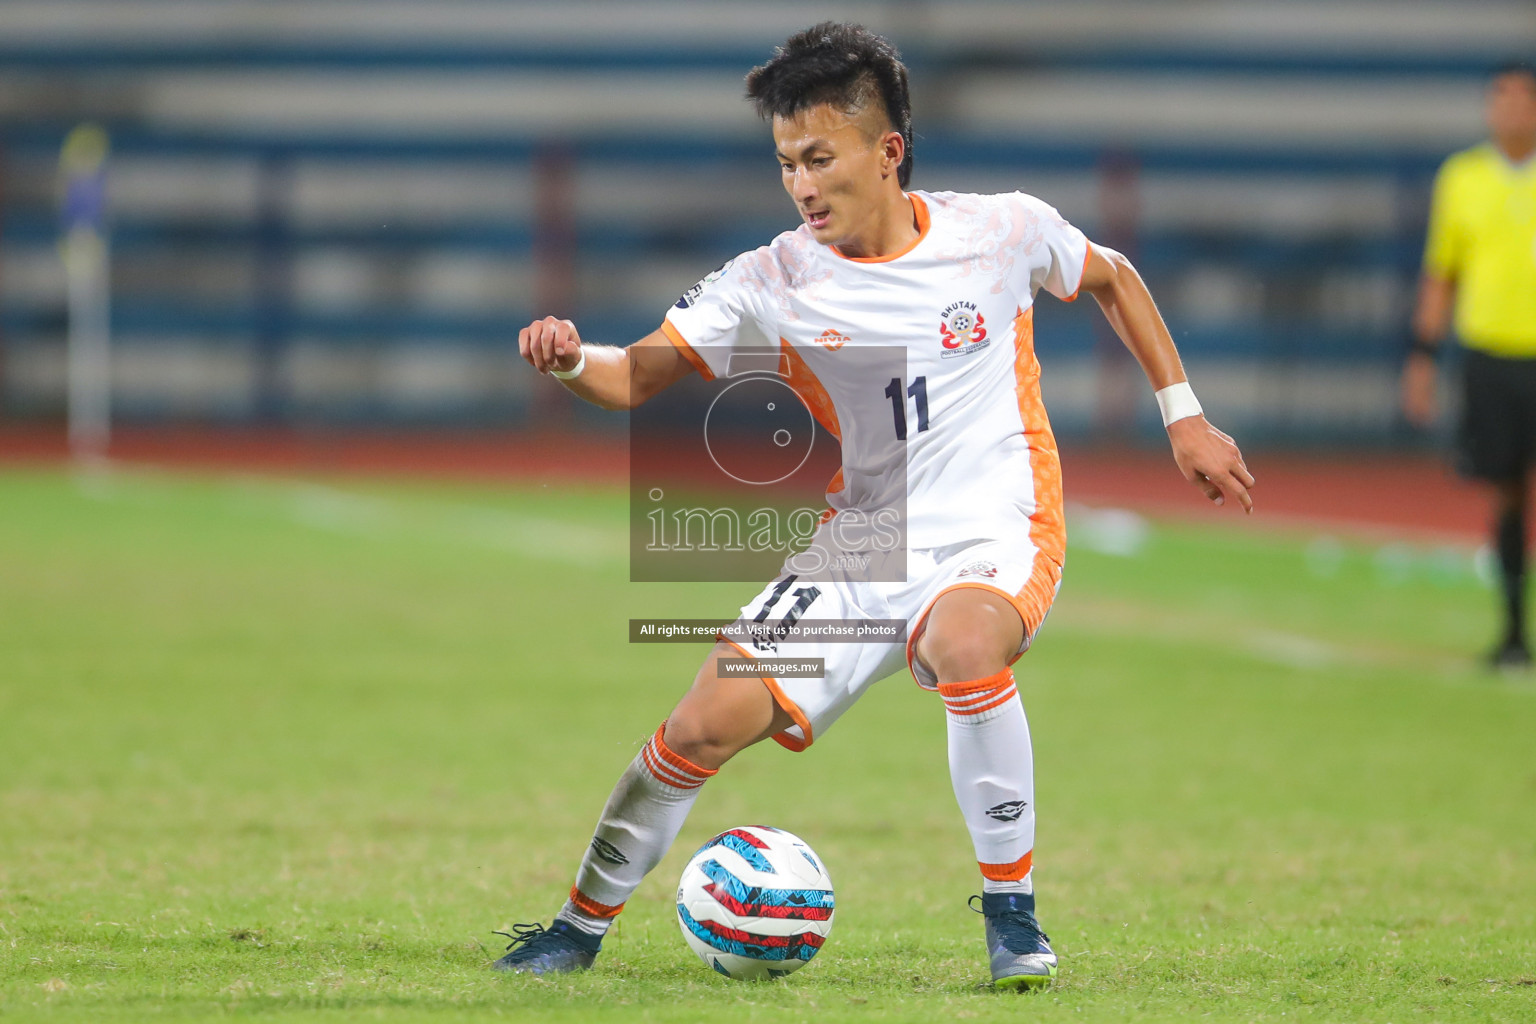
(689, 297)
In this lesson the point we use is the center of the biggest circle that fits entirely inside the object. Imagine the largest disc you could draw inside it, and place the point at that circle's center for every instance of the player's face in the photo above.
(1512, 108)
(835, 168)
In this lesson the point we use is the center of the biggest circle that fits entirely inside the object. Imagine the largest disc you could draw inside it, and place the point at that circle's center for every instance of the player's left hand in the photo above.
(1210, 460)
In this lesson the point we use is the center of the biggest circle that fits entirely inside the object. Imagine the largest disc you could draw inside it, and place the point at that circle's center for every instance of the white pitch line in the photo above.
(552, 540)
(337, 510)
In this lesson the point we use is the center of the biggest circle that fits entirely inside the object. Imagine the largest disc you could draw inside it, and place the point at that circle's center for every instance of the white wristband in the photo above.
(1177, 402)
(575, 371)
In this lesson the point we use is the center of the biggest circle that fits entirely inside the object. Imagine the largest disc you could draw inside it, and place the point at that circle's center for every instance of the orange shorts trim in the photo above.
(591, 907)
(790, 707)
(1008, 872)
(1031, 613)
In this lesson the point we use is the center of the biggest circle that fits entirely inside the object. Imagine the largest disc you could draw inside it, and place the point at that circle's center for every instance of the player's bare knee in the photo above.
(960, 653)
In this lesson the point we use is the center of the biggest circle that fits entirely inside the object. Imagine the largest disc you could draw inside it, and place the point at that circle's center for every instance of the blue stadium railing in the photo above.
(1159, 254)
(1472, 61)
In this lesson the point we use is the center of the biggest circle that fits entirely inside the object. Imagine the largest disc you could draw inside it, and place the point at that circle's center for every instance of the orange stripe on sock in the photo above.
(980, 698)
(974, 696)
(1007, 872)
(677, 761)
(591, 907)
(975, 687)
(662, 773)
(977, 709)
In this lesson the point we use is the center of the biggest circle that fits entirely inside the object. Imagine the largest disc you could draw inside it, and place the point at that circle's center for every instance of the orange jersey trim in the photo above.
(1008, 872)
(591, 907)
(803, 381)
(790, 707)
(681, 344)
(920, 214)
(1048, 526)
(1086, 257)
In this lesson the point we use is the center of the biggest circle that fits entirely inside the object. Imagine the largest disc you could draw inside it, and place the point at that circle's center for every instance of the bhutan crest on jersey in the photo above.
(962, 329)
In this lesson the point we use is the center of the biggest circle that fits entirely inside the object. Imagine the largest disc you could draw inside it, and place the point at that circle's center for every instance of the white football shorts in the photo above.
(1015, 570)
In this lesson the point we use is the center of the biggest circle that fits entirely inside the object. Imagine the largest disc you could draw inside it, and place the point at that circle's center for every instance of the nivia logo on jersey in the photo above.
(962, 330)
(691, 296)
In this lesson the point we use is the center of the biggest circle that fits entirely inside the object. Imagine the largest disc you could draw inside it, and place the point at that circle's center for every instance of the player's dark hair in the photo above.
(841, 64)
(1516, 66)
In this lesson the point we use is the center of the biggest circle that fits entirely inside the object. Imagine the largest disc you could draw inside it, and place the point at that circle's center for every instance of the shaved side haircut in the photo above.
(843, 65)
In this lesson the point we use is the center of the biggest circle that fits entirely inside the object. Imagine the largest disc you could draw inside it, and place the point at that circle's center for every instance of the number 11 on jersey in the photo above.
(918, 390)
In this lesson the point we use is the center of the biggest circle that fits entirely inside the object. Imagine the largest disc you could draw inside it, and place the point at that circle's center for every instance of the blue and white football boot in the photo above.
(1020, 951)
(559, 949)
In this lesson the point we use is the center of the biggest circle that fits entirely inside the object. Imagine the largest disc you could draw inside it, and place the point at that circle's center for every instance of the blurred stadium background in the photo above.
(280, 738)
(335, 215)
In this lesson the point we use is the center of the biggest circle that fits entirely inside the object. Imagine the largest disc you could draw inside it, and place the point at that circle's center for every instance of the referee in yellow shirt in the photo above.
(1480, 263)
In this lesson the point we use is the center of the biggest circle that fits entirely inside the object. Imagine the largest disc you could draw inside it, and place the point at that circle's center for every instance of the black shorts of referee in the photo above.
(1497, 437)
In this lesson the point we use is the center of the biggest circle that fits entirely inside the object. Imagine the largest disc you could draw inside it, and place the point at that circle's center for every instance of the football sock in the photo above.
(642, 818)
(991, 766)
(1510, 534)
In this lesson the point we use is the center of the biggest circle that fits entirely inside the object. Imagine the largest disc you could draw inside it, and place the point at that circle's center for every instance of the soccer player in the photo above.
(1480, 261)
(950, 279)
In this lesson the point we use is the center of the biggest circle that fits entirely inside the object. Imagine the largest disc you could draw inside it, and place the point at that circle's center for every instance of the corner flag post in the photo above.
(83, 171)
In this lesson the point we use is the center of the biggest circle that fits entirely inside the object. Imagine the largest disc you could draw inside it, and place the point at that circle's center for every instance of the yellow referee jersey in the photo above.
(1482, 235)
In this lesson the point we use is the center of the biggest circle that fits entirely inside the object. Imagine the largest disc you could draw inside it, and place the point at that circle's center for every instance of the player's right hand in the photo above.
(1418, 390)
(550, 344)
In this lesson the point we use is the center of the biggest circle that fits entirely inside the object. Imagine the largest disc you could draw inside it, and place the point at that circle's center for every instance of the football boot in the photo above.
(1020, 951)
(559, 949)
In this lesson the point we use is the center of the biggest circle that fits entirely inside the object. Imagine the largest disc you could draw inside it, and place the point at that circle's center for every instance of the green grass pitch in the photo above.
(292, 749)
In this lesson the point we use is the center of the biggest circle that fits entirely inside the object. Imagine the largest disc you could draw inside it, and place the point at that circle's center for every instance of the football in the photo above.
(755, 903)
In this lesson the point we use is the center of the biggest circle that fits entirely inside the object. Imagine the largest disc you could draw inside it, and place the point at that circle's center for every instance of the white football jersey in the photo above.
(960, 425)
